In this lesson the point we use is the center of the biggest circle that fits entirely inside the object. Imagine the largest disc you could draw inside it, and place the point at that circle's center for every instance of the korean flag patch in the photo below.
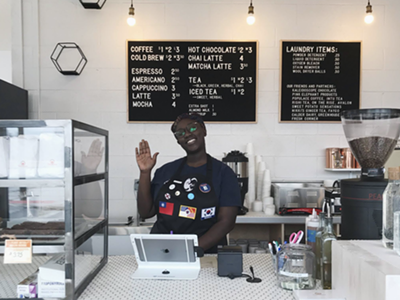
(208, 213)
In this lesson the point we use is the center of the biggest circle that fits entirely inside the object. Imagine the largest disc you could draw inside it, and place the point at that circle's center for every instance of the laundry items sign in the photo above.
(214, 79)
(319, 80)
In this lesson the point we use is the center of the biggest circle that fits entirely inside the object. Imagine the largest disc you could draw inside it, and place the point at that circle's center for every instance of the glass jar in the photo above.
(296, 268)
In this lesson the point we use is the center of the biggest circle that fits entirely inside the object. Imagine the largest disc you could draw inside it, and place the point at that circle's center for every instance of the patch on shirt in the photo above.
(189, 184)
(167, 196)
(166, 208)
(187, 212)
(207, 213)
(204, 188)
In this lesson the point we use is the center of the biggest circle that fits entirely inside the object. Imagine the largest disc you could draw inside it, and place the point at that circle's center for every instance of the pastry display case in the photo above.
(54, 193)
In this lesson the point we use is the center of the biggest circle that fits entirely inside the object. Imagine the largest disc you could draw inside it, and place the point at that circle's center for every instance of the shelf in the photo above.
(261, 218)
(31, 183)
(342, 170)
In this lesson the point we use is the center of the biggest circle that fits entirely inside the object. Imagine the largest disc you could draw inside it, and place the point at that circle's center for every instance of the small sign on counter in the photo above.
(18, 252)
(319, 80)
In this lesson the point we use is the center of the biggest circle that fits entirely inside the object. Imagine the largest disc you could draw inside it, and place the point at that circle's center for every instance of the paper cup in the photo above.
(268, 201)
(257, 206)
(269, 210)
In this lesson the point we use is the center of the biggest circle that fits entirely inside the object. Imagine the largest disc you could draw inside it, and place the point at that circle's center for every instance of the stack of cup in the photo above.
(268, 206)
(257, 206)
(252, 189)
(261, 168)
(266, 182)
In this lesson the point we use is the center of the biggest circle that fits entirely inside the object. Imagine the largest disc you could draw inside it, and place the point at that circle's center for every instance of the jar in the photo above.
(295, 267)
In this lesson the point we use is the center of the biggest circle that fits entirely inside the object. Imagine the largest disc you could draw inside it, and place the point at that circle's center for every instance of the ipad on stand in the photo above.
(166, 256)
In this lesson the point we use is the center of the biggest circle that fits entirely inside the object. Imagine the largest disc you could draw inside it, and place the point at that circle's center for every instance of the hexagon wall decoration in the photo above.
(93, 4)
(68, 58)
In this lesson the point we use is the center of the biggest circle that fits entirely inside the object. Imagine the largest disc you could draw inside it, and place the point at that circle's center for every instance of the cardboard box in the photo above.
(51, 278)
(28, 288)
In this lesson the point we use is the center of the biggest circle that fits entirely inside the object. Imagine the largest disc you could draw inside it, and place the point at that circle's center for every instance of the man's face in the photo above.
(190, 135)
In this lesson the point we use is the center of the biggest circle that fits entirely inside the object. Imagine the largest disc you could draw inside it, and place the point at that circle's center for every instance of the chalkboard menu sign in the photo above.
(319, 80)
(215, 79)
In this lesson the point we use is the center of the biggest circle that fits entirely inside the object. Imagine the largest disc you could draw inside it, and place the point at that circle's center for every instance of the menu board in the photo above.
(215, 79)
(319, 80)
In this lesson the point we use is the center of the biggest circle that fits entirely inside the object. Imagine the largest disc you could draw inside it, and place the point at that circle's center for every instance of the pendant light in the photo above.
(369, 18)
(131, 19)
(250, 18)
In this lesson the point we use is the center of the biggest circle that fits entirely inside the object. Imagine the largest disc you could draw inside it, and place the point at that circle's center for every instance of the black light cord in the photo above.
(251, 279)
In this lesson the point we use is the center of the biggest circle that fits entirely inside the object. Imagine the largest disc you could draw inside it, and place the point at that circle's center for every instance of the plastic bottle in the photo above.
(391, 204)
(312, 224)
(320, 231)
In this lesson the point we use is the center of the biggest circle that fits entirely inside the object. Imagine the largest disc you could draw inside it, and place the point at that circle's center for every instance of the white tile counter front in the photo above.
(114, 282)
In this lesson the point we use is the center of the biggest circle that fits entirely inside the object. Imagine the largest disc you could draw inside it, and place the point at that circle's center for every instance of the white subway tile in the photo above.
(268, 102)
(122, 209)
(329, 128)
(371, 100)
(266, 80)
(121, 166)
(315, 145)
(276, 145)
(116, 144)
(391, 100)
(295, 167)
(115, 188)
(372, 58)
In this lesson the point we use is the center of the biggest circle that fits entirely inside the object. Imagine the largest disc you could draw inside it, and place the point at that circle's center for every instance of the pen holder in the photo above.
(295, 267)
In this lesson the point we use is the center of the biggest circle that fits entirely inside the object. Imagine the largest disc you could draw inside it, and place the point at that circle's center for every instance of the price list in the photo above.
(217, 80)
(319, 80)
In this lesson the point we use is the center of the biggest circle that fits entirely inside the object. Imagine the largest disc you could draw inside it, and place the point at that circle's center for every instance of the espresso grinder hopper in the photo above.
(372, 135)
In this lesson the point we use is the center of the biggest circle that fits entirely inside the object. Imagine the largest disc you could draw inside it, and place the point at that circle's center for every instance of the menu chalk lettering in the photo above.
(215, 79)
(319, 80)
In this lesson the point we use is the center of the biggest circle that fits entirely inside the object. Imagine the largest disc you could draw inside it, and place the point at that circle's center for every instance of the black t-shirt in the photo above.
(224, 181)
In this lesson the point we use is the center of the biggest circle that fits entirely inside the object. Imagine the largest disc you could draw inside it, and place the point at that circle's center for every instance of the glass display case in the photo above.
(53, 192)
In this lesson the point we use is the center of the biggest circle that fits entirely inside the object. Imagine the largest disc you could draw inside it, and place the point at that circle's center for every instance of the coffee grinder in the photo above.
(372, 135)
(237, 161)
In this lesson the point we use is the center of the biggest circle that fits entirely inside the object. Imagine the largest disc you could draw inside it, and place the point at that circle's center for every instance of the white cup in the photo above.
(257, 206)
(268, 201)
(269, 210)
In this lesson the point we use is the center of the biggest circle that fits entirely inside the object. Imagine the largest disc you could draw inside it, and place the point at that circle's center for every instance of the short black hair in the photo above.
(192, 116)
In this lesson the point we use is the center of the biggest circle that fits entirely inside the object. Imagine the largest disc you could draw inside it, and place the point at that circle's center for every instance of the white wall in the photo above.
(98, 95)
(5, 40)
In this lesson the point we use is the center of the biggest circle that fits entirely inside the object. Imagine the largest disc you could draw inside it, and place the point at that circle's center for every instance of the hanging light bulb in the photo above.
(131, 19)
(369, 17)
(250, 18)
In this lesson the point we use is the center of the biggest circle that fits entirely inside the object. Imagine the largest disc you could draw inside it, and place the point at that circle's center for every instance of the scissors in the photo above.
(295, 238)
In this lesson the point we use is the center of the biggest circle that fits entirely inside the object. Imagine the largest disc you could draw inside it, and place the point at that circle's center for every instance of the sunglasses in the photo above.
(191, 127)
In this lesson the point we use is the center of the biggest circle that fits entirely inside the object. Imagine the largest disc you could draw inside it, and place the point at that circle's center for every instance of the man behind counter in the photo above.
(196, 194)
